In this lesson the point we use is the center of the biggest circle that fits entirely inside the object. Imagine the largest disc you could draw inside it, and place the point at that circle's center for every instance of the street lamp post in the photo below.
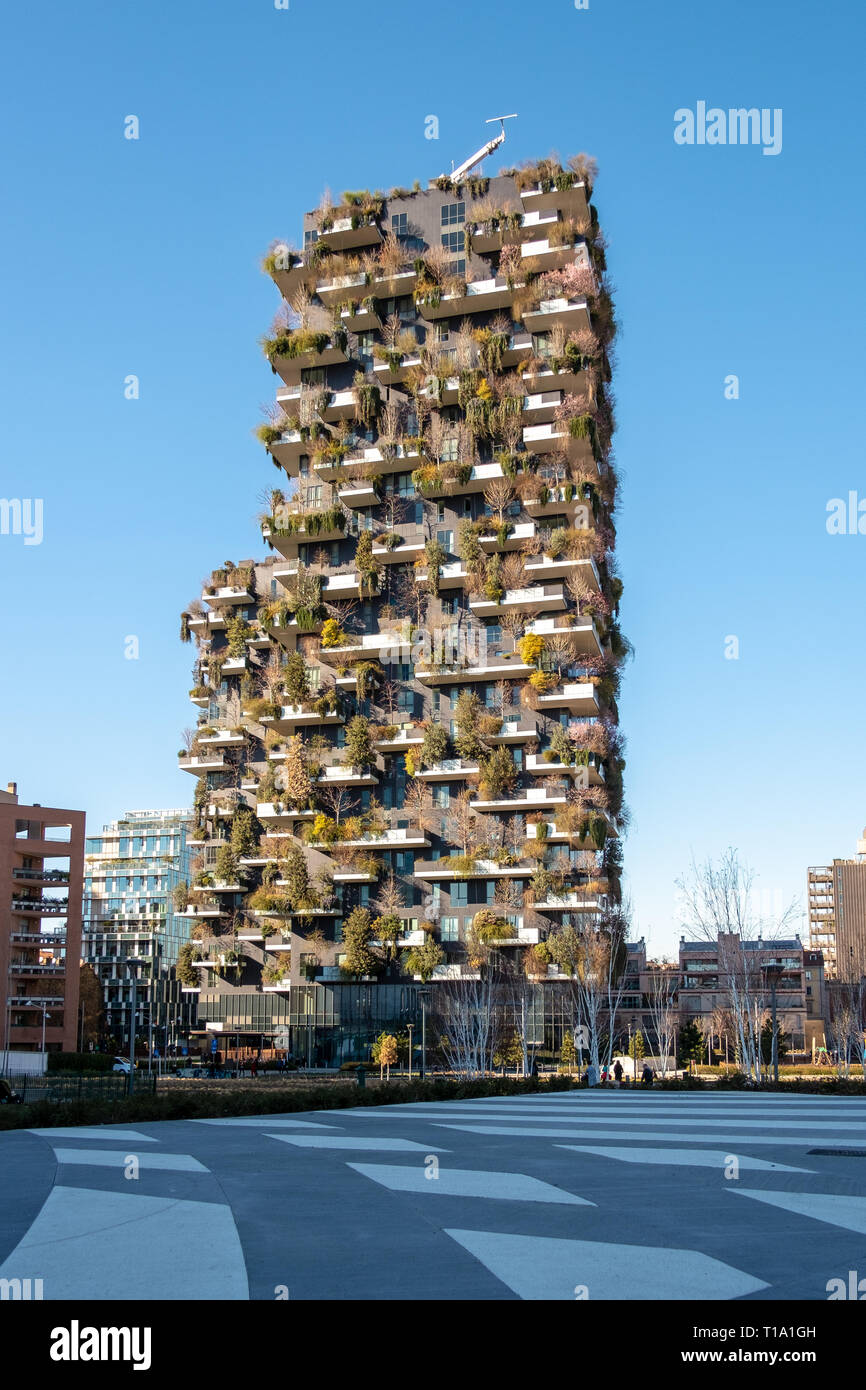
(409, 1027)
(773, 973)
(423, 995)
(132, 963)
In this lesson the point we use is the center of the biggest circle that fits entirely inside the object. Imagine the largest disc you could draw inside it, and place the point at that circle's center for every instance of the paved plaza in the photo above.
(599, 1194)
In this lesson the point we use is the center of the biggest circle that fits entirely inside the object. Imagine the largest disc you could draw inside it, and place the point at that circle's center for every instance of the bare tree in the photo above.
(663, 1009)
(339, 801)
(468, 1024)
(719, 906)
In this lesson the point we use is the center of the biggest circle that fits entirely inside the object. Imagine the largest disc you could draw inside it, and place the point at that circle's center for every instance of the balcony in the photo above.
(407, 737)
(390, 839)
(41, 907)
(449, 770)
(454, 972)
(331, 292)
(592, 774)
(334, 585)
(582, 632)
(339, 775)
(292, 716)
(196, 910)
(352, 231)
(223, 738)
(571, 313)
(368, 645)
(523, 936)
(513, 731)
(519, 533)
(442, 870)
(555, 437)
(211, 762)
(390, 375)
(543, 567)
(360, 319)
(38, 877)
(578, 697)
(479, 297)
(496, 670)
(217, 886)
(277, 814)
(572, 202)
(571, 902)
(227, 596)
(359, 494)
(531, 224)
(532, 799)
(540, 598)
(289, 368)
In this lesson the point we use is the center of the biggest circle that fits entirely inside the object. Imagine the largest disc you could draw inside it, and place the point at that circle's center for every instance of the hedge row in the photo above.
(210, 1104)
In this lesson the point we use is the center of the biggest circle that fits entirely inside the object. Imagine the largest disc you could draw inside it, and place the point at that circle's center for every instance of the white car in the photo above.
(121, 1064)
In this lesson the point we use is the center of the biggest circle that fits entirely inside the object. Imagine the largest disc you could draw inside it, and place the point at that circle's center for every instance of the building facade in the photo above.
(41, 877)
(133, 870)
(837, 914)
(706, 967)
(408, 758)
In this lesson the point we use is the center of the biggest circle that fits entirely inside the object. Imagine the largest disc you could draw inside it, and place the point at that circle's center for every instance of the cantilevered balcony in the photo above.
(358, 492)
(334, 585)
(442, 870)
(349, 232)
(559, 497)
(207, 623)
(228, 596)
(223, 738)
(41, 907)
(393, 372)
(578, 697)
(332, 289)
(195, 910)
(555, 437)
(292, 716)
(479, 296)
(571, 902)
(526, 800)
(406, 737)
(540, 598)
(388, 839)
(290, 368)
(274, 814)
(513, 731)
(367, 646)
(360, 318)
(571, 202)
(343, 775)
(571, 313)
(197, 764)
(544, 567)
(530, 226)
(448, 770)
(581, 633)
(495, 669)
(592, 772)
(518, 534)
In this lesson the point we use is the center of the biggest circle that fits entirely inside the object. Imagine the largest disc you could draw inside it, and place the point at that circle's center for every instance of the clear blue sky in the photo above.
(142, 257)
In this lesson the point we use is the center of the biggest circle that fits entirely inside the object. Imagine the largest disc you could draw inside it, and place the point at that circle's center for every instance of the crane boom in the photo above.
(485, 150)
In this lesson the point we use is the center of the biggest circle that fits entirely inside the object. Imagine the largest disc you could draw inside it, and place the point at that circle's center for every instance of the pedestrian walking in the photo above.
(647, 1076)
(617, 1071)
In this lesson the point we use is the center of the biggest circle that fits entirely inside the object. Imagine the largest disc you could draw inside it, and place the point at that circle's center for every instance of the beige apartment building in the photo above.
(837, 914)
(41, 876)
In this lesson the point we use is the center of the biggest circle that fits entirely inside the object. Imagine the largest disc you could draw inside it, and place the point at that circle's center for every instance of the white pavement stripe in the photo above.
(638, 1135)
(468, 1182)
(686, 1158)
(624, 1115)
(102, 1133)
(544, 1267)
(118, 1158)
(342, 1141)
(268, 1122)
(842, 1210)
(834, 1126)
(91, 1244)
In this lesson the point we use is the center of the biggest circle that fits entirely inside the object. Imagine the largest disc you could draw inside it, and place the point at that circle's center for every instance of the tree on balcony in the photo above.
(422, 960)
(360, 958)
(359, 743)
(497, 775)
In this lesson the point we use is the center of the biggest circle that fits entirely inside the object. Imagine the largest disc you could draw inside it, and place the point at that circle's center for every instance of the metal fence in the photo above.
(60, 1086)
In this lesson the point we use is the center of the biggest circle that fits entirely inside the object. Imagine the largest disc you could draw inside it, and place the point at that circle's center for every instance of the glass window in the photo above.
(453, 214)
(449, 928)
(400, 223)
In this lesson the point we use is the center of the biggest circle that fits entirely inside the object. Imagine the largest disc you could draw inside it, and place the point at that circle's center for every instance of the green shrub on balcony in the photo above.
(262, 708)
(333, 634)
(359, 744)
(531, 648)
(422, 960)
(435, 746)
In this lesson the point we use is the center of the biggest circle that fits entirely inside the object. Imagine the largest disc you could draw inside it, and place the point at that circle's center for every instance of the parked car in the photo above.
(121, 1064)
(8, 1096)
